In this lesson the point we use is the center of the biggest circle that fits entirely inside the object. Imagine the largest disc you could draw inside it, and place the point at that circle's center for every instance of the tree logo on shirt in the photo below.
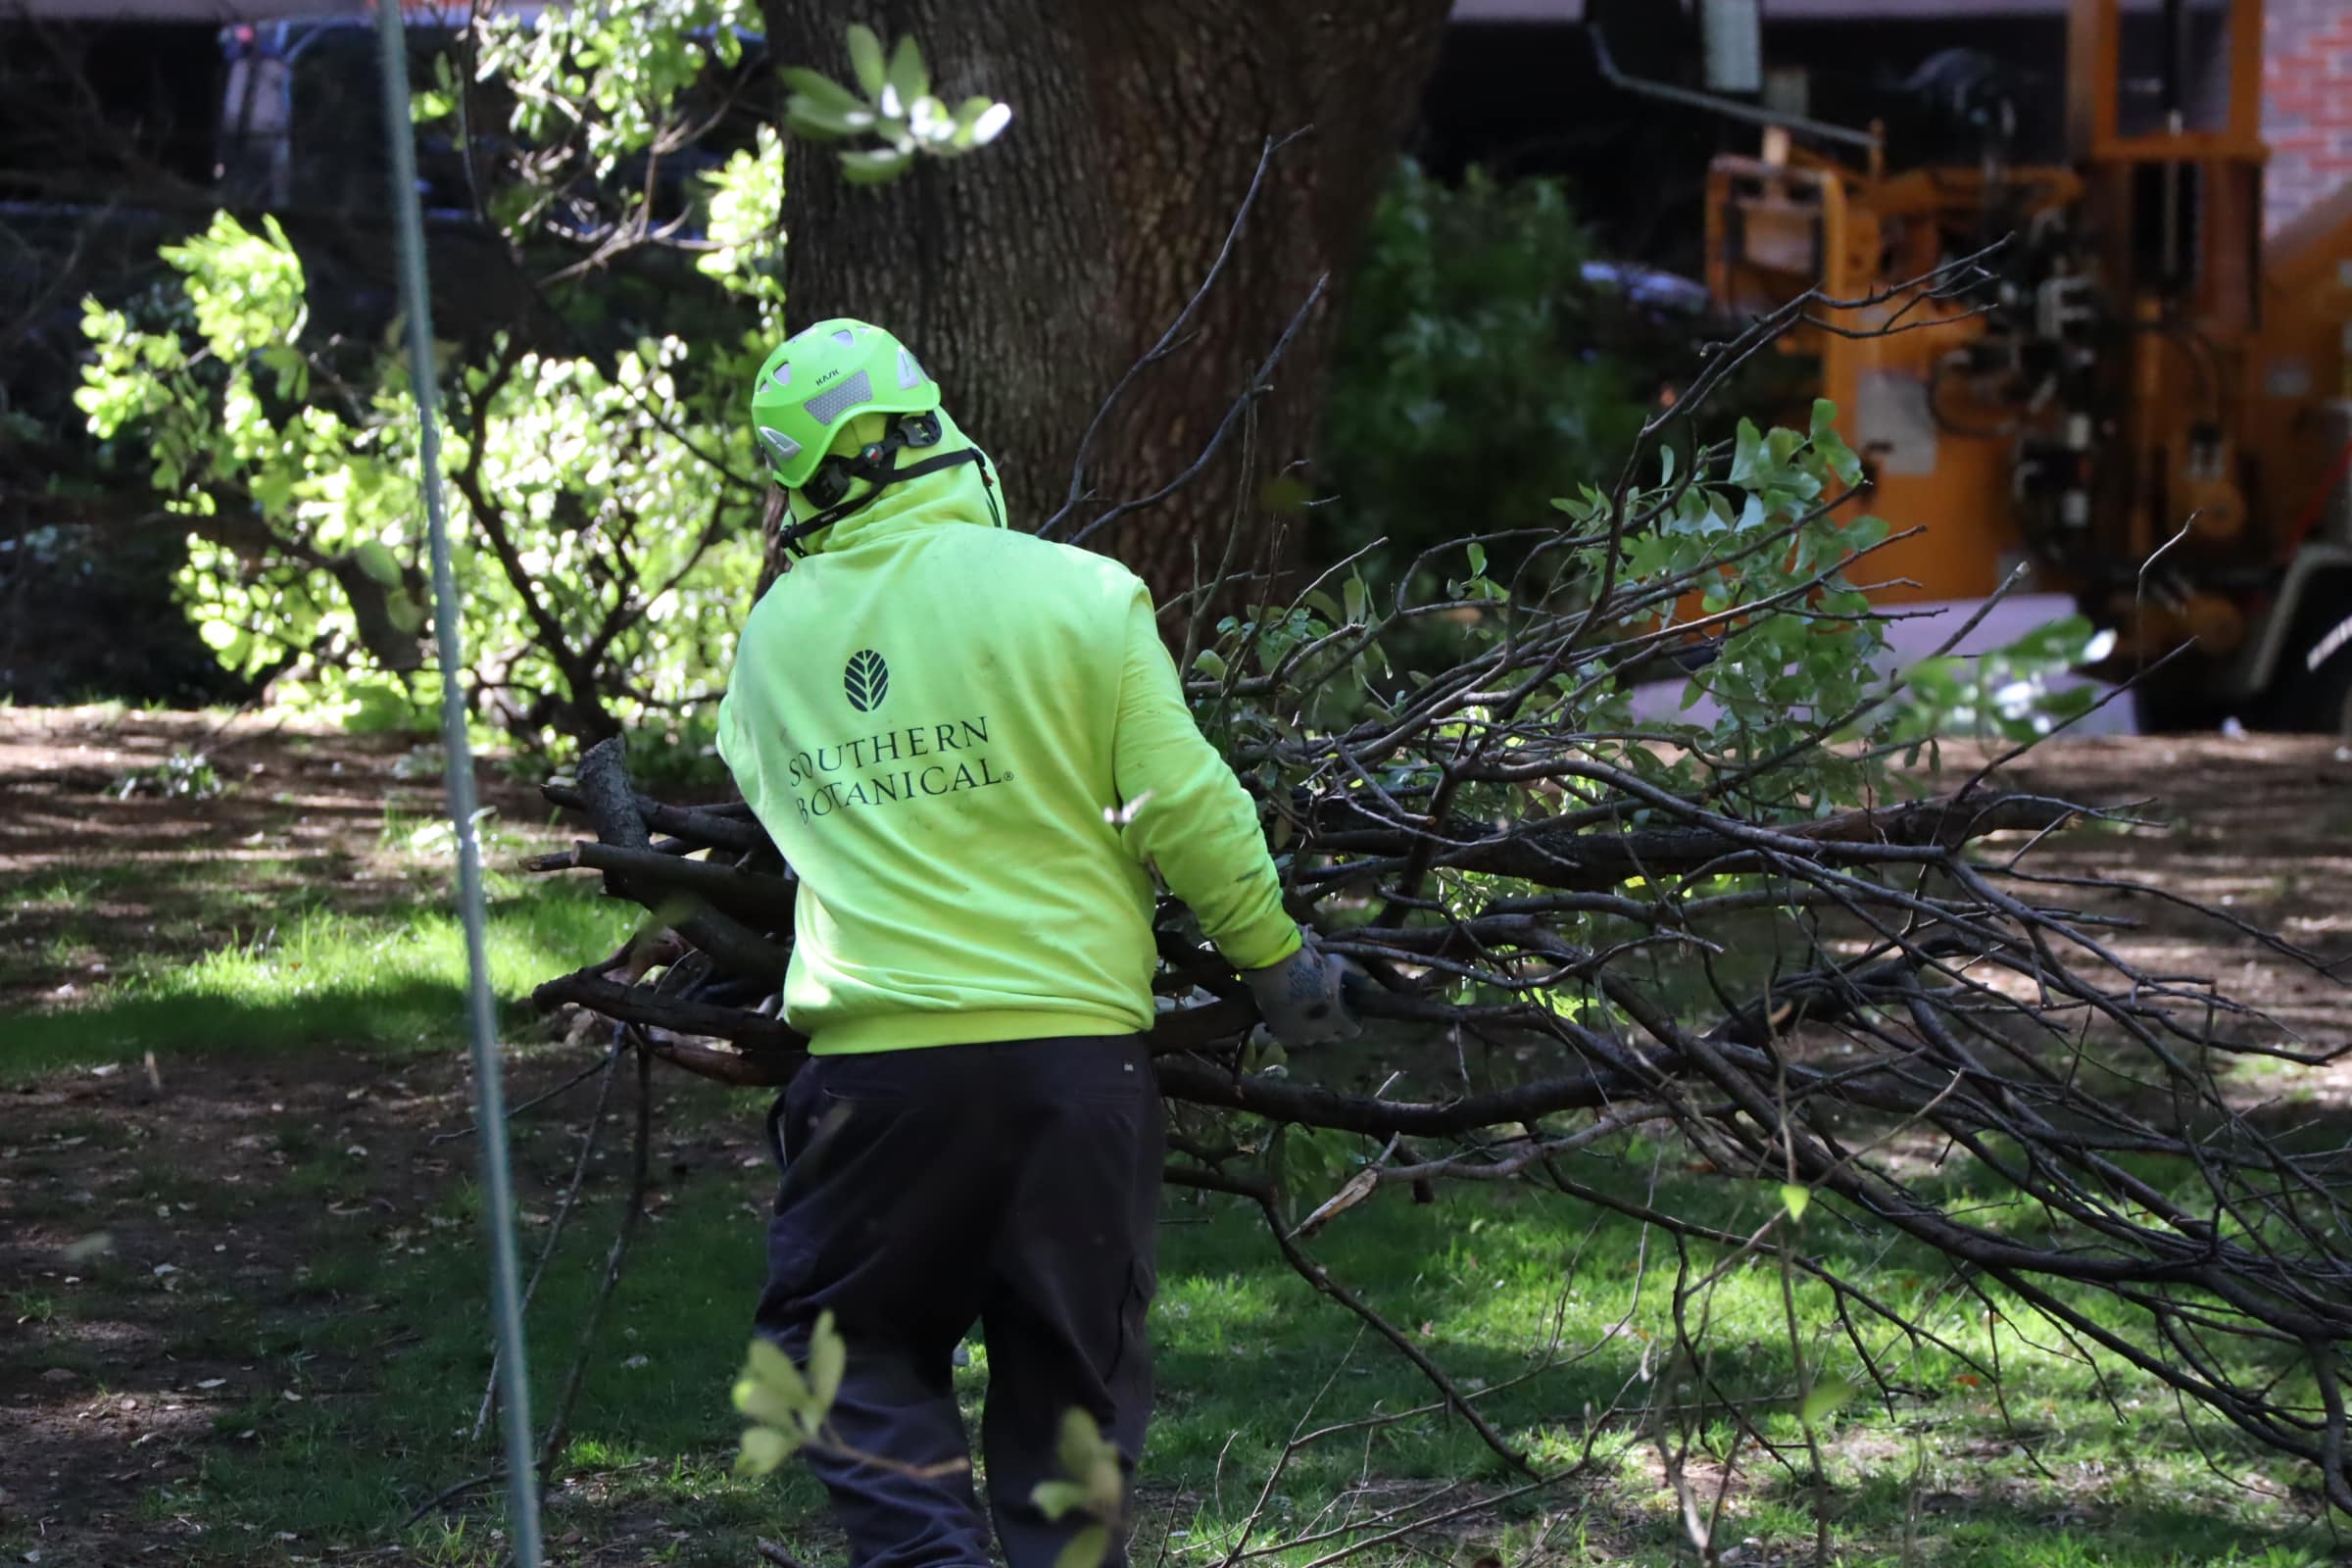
(866, 680)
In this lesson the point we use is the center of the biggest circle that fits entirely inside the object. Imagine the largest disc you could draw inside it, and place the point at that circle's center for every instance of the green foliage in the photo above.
(615, 70)
(788, 1406)
(785, 1404)
(1760, 559)
(1467, 387)
(601, 563)
(891, 115)
(602, 495)
(1092, 1483)
(1738, 550)
(746, 197)
(1249, 1357)
(181, 776)
(2006, 692)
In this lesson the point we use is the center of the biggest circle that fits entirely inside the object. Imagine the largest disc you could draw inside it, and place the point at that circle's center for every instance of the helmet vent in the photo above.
(781, 375)
(845, 338)
(783, 445)
(847, 393)
(910, 373)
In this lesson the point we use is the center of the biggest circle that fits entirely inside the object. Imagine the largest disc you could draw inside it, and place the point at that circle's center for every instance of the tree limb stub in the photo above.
(697, 824)
(612, 805)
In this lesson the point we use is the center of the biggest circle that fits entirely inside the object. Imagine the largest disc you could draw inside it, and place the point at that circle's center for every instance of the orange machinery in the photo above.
(2143, 401)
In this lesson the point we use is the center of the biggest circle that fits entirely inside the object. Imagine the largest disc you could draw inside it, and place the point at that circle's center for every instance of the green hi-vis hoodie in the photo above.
(972, 746)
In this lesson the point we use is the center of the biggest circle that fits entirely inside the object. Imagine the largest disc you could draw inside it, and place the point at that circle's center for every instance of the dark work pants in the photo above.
(1016, 1185)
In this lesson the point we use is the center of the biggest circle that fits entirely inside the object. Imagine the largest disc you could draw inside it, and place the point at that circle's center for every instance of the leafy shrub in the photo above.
(603, 549)
(1470, 385)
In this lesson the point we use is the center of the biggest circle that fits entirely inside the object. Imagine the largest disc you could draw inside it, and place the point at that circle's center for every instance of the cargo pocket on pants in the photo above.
(1133, 1357)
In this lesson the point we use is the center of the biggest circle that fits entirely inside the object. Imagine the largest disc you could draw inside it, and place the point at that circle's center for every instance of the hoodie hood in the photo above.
(967, 493)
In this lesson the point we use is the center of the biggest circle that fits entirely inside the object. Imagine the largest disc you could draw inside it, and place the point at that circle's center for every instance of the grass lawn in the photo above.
(1249, 1358)
(291, 1300)
(388, 978)
(372, 1363)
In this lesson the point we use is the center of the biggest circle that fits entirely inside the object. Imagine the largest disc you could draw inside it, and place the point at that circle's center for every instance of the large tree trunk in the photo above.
(1030, 275)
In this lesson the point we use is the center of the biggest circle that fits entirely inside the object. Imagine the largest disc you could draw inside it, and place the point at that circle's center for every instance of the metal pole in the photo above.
(489, 1091)
(1729, 108)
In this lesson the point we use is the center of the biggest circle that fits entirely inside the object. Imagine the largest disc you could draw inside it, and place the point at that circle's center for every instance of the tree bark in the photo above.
(1030, 275)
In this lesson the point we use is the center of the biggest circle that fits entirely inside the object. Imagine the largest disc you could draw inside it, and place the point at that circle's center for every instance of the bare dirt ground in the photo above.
(208, 1234)
(303, 808)
(133, 1204)
(2259, 827)
(106, 1408)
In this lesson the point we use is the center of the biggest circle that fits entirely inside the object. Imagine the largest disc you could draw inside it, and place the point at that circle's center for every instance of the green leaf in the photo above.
(1081, 1448)
(1824, 418)
(404, 611)
(772, 1388)
(822, 90)
(1839, 455)
(1355, 594)
(1748, 450)
(865, 58)
(820, 122)
(1477, 559)
(1208, 662)
(272, 491)
(756, 1401)
(1795, 1198)
(980, 120)
(292, 370)
(828, 1359)
(1053, 1498)
(928, 119)
(1284, 495)
(1086, 1550)
(763, 1449)
(1865, 533)
(376, 562)
(909, 78)
(876, 166)
(1825, 1399)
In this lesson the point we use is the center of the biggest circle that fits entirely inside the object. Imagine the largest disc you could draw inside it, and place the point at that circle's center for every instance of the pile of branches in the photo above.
(1670, 928)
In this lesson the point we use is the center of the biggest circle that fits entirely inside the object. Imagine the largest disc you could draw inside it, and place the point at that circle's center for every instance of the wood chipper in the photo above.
(2146, 402)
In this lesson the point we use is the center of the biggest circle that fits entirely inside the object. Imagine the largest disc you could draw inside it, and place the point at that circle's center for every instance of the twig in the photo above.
(559, 1426)
(562, 1215)
(1166, 345)
(1320, 1278)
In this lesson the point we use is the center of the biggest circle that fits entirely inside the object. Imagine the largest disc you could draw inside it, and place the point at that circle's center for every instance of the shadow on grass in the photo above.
(409, 1014)
(389, 979)
(1246, 1354)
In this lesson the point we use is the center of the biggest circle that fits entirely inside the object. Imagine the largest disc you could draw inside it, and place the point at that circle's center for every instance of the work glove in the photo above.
(1304, 998)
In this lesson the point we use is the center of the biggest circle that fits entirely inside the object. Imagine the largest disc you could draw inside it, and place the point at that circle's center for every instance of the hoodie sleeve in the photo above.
(1188, 817)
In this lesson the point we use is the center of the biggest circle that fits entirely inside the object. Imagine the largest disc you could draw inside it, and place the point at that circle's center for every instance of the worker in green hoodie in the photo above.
(974, 751)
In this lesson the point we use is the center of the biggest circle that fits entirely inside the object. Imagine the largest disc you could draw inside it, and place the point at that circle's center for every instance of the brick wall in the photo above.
(2306, 102)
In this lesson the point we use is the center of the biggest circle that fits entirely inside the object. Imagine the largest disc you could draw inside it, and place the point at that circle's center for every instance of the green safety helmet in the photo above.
(819, 379)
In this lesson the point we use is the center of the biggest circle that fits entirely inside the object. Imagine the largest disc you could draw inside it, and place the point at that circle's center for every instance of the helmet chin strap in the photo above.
(874, 462)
